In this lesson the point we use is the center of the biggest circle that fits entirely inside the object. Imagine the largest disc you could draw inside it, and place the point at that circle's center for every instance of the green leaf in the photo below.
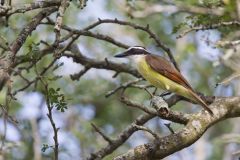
(45, 147)
(57, 99)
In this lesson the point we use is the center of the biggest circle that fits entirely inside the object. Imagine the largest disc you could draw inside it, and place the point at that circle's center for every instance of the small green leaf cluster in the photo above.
(56, 99)
(45, 147)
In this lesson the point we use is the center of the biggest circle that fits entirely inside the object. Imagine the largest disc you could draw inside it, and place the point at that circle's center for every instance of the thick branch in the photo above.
(28, 7)
(127, 132)
(27, 30)
(60, 14)
(93, 63)
(222, 108)
(228, 44)
(171, 115)
(122, 137)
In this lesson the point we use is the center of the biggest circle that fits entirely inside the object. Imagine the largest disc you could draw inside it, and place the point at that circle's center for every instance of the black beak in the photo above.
(121, 55)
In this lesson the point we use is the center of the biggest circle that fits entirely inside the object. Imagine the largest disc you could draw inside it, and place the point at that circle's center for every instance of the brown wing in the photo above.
(165, 68)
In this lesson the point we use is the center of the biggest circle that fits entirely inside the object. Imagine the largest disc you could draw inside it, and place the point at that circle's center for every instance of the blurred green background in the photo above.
(202, 61)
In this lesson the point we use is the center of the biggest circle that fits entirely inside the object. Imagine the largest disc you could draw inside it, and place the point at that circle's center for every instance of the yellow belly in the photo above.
(160, 81)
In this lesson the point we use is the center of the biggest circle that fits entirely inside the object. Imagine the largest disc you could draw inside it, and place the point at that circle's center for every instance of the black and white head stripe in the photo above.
(135, 50)
(131, 51)
(137, 47)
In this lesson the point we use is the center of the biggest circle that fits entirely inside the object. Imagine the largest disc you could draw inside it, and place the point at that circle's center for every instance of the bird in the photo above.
(161, 73)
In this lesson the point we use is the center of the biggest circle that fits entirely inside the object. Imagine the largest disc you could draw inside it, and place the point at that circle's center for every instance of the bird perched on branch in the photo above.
(162, 74)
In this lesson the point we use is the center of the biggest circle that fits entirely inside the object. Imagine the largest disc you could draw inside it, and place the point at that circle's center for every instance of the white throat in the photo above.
(136, 58)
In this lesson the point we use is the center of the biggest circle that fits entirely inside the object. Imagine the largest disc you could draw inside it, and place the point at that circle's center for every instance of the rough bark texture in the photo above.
(222, 108)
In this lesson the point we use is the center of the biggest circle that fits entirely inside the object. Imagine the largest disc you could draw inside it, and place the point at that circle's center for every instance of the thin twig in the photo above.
(155, 135)
(124, 85)
(77, 76)
(108, 139)
(168, 125)
(41, 74)
(50, 117)
(85, 31)
(121, 138)
(27, 30)
(207, 27)
(128, 131)
(173, 116)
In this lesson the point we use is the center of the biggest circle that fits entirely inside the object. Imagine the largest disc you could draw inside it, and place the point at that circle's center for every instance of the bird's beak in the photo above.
(121, 55)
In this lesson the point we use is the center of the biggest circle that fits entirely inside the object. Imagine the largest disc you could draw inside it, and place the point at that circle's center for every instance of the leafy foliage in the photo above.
(57, 99)
(45, 147)
(88, 94)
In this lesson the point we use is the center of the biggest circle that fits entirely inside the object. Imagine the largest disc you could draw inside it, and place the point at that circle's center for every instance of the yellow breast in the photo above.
(159, 80)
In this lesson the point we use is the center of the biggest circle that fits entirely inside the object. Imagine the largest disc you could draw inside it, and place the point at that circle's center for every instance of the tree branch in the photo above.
(10, 10)
(50, 117)
(222, 108)
(210, 26)
(93, 63)
(27, 30)
(170, 115)
(127, 132)
(228, 44)
(85, 31)
(175, 7)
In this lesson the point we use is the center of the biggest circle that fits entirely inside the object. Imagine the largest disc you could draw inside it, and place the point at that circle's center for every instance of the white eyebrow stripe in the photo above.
(137, 47)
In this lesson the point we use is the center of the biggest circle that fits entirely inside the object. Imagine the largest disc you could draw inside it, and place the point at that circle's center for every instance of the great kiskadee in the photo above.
(161, 73)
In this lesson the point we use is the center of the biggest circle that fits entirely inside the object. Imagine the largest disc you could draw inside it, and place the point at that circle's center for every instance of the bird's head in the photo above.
(132, 52)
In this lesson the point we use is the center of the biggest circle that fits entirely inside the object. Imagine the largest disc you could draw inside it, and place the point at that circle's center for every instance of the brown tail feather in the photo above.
(201, 102)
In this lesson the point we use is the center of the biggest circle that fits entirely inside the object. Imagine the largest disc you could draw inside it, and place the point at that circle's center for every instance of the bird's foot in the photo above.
(155, 91)
(151, 95)
(165, 94)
